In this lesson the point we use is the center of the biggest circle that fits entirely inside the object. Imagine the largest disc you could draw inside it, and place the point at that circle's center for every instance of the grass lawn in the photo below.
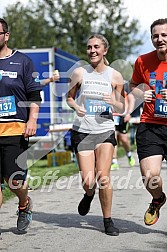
(40, 171)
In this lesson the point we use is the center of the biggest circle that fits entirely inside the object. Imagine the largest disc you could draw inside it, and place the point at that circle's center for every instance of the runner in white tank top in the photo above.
(95, 91)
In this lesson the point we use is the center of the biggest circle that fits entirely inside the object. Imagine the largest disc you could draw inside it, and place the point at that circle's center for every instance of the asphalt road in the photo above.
(57, 226)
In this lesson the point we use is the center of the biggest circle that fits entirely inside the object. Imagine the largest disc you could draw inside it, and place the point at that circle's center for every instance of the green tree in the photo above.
(119, 31)
(29, 26)
(78, 19)
(68, 24)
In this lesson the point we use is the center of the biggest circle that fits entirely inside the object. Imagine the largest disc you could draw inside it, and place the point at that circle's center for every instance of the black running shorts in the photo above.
(151, 140)
(83, 141)
(123, 126)
(12, 165)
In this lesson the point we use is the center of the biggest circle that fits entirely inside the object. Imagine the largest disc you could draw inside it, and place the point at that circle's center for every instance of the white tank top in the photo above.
(98, 117)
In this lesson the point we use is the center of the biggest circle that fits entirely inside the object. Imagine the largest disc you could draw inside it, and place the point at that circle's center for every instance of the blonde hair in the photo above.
(104, 42)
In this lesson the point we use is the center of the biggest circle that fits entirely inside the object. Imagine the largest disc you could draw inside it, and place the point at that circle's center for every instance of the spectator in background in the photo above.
(55, 77)
(122, 127)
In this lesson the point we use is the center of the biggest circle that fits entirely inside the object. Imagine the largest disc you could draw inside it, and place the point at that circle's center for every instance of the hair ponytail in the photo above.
(106, 61)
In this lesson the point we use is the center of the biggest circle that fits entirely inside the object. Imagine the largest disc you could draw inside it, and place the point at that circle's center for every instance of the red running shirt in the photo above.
(151, 71)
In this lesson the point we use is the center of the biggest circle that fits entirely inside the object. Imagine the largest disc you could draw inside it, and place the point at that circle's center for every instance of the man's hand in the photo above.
(127, 118)
(163, 92)
(149, 95)
(30, 129)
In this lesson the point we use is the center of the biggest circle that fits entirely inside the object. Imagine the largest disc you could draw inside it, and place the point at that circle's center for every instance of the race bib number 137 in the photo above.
(7, 106)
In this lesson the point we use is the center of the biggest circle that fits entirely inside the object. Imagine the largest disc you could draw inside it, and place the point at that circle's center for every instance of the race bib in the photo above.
(116, 119)
(160, 108)
(97, 107)
(7, 106)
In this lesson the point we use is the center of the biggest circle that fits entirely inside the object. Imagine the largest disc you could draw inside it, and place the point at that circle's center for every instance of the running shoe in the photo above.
(110, 229)
(24, 216)
(84, 205)
(131, 161)
(114, 167)
(152, 214)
